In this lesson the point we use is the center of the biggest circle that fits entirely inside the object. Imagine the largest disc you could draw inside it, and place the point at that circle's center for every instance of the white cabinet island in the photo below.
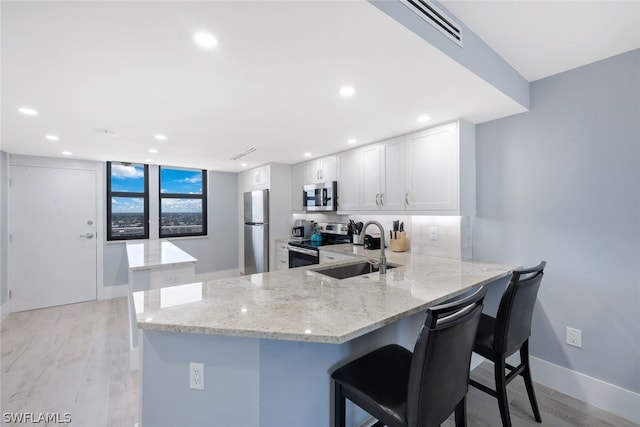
(269, 341)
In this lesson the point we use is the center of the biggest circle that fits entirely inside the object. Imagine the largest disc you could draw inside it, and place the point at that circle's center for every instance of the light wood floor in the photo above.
(72, 358)
(75, 359)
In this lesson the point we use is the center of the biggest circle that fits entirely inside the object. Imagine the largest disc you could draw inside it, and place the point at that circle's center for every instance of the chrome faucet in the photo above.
(382, 265)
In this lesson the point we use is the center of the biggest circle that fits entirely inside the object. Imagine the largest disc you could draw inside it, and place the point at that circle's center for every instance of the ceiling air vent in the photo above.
(244, 153)
(434, 16)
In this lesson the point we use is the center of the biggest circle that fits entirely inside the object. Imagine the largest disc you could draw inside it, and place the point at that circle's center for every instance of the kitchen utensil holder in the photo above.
(399, 242)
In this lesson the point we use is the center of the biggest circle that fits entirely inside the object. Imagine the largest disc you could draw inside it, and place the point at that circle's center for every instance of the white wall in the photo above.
(4, 227)
(561, 183)
(216, 252)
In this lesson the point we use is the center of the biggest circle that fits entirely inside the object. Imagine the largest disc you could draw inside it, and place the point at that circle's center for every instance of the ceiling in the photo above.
(272, 82)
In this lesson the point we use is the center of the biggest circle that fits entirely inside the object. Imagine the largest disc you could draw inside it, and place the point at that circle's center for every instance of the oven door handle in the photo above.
(310, 252)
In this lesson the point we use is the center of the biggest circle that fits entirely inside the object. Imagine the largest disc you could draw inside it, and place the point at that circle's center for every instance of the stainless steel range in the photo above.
(306, 252)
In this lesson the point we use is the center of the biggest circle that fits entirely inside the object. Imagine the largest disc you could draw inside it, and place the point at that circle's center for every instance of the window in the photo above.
(127, 201)
(183, 202)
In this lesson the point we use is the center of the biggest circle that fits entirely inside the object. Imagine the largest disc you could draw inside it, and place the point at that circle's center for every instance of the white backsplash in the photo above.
(454, 232)
(454, 236)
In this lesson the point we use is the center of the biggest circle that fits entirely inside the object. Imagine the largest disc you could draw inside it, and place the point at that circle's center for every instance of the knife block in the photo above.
(400, 243)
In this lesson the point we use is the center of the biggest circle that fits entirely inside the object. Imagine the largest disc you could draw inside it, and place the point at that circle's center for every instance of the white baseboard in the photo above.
(611, 398)
(213, 275)
(5, 309)
(117, 291)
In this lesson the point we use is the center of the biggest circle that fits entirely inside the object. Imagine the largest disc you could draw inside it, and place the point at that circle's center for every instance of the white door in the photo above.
(53, 237)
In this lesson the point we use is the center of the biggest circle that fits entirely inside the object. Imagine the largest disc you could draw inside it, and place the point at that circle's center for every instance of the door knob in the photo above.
(88, 235)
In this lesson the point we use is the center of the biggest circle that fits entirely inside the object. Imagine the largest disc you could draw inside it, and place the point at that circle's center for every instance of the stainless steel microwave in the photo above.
(320, 197)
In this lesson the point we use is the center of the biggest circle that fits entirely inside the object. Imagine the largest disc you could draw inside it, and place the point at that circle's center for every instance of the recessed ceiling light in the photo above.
(347, 91)
(28, 111)
(423, 118)
(244, 165)
(205, 40)
(153, 151)
(352, 140)
(307, 154)
(160, 137)
(52, 137)
(67, 153)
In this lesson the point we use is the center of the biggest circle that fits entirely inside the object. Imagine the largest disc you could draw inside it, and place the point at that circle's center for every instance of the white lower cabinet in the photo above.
(282, 255)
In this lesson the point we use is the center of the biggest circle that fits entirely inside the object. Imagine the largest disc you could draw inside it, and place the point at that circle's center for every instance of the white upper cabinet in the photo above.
(256, 178)
(321, 170)
(369, 181)
(349, 180)
(392, 181)
(440, 170)
(430, 172)
(371, 197)
(298, 178)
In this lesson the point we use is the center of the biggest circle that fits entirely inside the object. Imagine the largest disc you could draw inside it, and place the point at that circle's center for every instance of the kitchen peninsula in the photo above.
(268, 341)
(153, 264)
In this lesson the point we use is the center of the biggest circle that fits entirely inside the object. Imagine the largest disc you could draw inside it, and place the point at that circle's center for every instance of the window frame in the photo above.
(144, 195)
(203, 197)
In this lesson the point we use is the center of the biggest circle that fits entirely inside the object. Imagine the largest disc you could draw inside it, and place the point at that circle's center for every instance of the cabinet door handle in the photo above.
(381, 199)
(406, 198)
(378, 200)
(330, 257)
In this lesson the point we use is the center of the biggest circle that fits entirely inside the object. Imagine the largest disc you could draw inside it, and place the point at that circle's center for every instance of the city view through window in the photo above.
(127, 201)
(181, 201)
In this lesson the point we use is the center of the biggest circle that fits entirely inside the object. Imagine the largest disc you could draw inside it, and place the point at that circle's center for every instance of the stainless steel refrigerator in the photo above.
(256, 231)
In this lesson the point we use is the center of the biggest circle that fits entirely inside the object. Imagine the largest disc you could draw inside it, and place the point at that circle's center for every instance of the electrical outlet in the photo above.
(433, 233)
(574, 337)
(196, 376)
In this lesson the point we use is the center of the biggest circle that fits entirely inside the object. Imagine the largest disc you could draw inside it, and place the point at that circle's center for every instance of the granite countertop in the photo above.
(303, 305)
(155, 253)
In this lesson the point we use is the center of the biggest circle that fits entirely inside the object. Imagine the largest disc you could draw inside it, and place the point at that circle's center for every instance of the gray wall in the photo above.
(4, 225)
(216, 252)
(562, 183)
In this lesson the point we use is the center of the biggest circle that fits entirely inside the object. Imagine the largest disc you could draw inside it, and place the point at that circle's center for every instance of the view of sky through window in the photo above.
(179, 181)
(129, 179)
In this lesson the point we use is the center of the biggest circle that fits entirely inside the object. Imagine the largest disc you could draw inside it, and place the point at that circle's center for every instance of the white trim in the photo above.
(117, 291)
(5, 309)
(213, 275)
(101, 190)
(611, 398)
(134, 357)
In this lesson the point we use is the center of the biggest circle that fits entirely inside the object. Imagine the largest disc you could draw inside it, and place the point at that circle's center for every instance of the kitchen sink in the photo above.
(351, 270)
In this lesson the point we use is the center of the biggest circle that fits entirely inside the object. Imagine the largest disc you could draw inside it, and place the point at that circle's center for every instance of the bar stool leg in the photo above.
(526, 374)
(501, 390)
(461, 413)
(338, 406)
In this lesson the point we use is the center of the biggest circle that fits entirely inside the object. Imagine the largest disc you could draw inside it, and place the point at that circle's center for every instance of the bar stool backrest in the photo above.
(439, 373)
(513, 321)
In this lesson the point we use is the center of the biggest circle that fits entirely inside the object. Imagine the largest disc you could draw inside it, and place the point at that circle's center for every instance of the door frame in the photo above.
(56, 163)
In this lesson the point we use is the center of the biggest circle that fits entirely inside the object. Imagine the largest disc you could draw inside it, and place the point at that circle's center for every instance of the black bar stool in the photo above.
(423, 388)
(500, 337)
